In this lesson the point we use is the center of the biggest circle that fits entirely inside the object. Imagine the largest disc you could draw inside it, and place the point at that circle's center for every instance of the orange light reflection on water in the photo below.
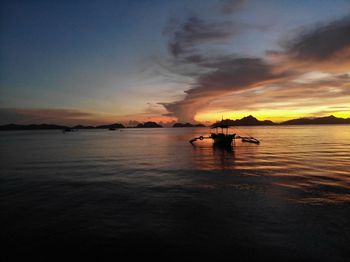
(308, 163)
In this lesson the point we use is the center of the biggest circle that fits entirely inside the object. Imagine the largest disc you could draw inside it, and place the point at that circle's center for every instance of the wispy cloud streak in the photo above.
(186, 37)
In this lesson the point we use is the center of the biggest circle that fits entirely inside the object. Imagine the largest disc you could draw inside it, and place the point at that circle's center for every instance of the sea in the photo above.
(149, 192)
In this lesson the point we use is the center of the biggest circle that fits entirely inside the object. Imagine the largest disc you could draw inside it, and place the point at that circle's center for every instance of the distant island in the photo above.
(116, 126)
(252, 121)
(148, 125)
(327, 120)
(187, 125)
(245, 121)
(33, 127)
(248, 121)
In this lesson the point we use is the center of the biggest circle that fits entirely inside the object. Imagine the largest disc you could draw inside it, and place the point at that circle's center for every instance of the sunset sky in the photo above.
(91, 62)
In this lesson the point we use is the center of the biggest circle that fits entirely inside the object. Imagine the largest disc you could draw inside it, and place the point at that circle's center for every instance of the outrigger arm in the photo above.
(248, 139)
(199, 138)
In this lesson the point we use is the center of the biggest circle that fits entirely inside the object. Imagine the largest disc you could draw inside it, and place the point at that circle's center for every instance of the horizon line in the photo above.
(167, 123)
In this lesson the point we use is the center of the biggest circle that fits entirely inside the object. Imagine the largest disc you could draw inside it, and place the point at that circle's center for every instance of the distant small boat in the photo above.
(224, 139)
(67, 130)
(111, 128)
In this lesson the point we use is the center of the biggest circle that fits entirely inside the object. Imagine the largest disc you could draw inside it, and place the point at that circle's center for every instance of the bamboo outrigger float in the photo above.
(224, 139)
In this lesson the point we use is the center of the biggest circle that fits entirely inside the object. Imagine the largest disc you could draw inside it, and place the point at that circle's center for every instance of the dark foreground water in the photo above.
(149, 192)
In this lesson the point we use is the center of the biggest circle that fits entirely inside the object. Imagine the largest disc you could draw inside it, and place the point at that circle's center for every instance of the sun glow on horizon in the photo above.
(274, 115)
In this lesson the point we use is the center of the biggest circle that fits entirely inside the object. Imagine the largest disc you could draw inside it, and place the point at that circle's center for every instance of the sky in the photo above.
(92, 62)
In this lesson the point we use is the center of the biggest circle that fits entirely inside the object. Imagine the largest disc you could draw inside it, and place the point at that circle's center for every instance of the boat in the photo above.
(67, 130)
(222, 138)
(111, 129)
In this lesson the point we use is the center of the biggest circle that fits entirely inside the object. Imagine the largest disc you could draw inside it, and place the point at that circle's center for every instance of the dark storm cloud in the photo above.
(233, 73)
(322, 42)
(186, 37)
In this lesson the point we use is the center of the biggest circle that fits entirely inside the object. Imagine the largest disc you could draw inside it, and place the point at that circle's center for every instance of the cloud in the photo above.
(321, 47)
(186, 37)
(133, 123)
(44, 115)
(324, 48)
(289, 95)
(153, 109)
(231, 6)
(226, 75)
(322, 42)
(73, 116)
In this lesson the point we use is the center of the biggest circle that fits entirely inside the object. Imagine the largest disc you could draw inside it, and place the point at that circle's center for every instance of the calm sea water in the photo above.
(149, 190)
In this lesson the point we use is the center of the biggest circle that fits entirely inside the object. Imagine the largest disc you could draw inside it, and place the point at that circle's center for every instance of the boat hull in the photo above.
(222, 140)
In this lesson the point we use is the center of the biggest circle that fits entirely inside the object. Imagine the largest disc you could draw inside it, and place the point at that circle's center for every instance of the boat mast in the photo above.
(222, 128)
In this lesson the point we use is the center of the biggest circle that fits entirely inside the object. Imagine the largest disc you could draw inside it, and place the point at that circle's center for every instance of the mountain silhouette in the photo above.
(148, 125)
(32, 127)
(116, 125)
(187, 125)
(327, 120)
(252, 121)
(245, 121)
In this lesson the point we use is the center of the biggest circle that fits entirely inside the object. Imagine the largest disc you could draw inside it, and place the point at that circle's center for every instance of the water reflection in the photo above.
(293, 159)
(144, 185)
(211, 157)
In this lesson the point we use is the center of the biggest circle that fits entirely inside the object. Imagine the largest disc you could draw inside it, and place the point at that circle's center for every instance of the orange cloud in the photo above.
(73, 117)
(272, 81)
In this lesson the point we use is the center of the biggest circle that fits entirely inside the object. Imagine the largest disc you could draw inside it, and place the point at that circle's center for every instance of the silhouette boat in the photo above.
(222, 138)
(67, 130)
